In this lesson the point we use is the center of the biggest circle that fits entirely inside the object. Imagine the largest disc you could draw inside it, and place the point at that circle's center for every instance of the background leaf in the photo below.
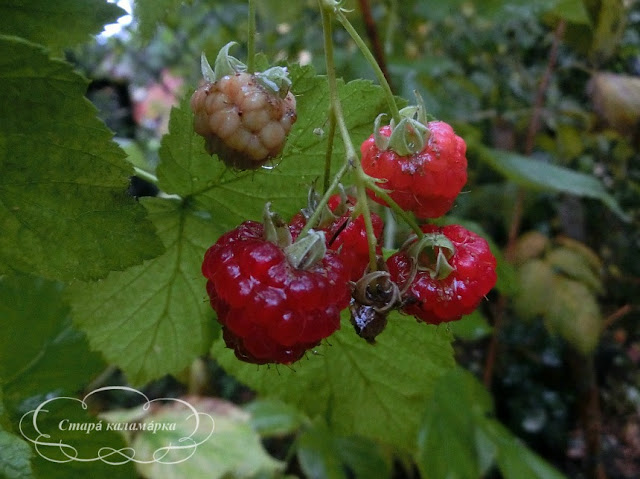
(15, 456)
(539, 175)
(153, 319)
(48, 23)
(150, 13)
(372, 391)
(40, 350)
(63, 182)
(459, 439)
(233, 450)
(271, 417)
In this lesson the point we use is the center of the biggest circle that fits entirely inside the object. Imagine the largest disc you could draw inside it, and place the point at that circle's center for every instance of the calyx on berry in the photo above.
(304, 252)
(410, 135)
(432, 254)
(275, 79)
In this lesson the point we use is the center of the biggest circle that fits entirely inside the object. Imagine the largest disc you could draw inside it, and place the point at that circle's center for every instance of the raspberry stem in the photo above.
(251, 38)
(329, 154)
(371, 184)
(393, 107)
(352, 159)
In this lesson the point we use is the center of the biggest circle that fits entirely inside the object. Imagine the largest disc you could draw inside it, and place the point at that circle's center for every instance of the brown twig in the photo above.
(616, 315)
(518, 207)
(372, 32)
(532, 131)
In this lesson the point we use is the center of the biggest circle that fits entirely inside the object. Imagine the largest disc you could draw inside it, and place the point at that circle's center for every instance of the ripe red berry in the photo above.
(435, 300)
(271, 311)
(346, 235)
(426, 182)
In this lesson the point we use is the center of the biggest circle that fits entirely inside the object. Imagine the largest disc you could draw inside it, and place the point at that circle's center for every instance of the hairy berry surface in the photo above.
(435, 300)
(426, 183)
(241, 121)
(272, 312)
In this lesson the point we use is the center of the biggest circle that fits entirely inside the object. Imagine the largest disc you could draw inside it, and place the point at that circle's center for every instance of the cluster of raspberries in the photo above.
(273, 309)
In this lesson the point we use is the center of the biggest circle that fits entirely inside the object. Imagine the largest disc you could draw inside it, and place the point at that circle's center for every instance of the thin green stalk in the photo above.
(382, 194)
(395, 113)
(251, 41)
(329, 154)
(324, 200)
(352, 159)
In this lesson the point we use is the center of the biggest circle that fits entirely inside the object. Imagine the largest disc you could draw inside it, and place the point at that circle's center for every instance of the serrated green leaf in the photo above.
(447, 438)
(233, 449)
(573, 313)
(271, 417)
(87, 445)
(231, 196)
(48, 23)
(15, 457)
(150, 13)
(153, 319)
(39, 349)
(64, 208)
(375, 391)
(538, 175)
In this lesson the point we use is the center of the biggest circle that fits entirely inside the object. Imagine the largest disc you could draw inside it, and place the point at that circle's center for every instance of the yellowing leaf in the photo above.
(535, 289)
(573, 313)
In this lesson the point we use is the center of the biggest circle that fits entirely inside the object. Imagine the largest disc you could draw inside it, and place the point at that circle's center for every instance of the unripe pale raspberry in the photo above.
(242, 122)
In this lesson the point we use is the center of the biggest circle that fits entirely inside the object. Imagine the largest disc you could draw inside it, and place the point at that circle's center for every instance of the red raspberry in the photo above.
(346, 235)
(434, 300)
(426, 182)
(242, 122)
(272, 312)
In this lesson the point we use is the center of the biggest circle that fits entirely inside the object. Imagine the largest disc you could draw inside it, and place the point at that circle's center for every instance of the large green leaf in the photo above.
(514, 459)
(58, 24)
(539, 175)
(376, 391)
(64, 208)
(153, 319)
(458, 438)
(449, 445)
(40, 351)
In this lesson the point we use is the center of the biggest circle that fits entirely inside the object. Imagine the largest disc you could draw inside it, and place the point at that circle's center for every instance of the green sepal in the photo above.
(276, 230)
(207, 72)
(326, 216)
(226, 64)
(275, 79)
(425, 258)
(307, 251)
